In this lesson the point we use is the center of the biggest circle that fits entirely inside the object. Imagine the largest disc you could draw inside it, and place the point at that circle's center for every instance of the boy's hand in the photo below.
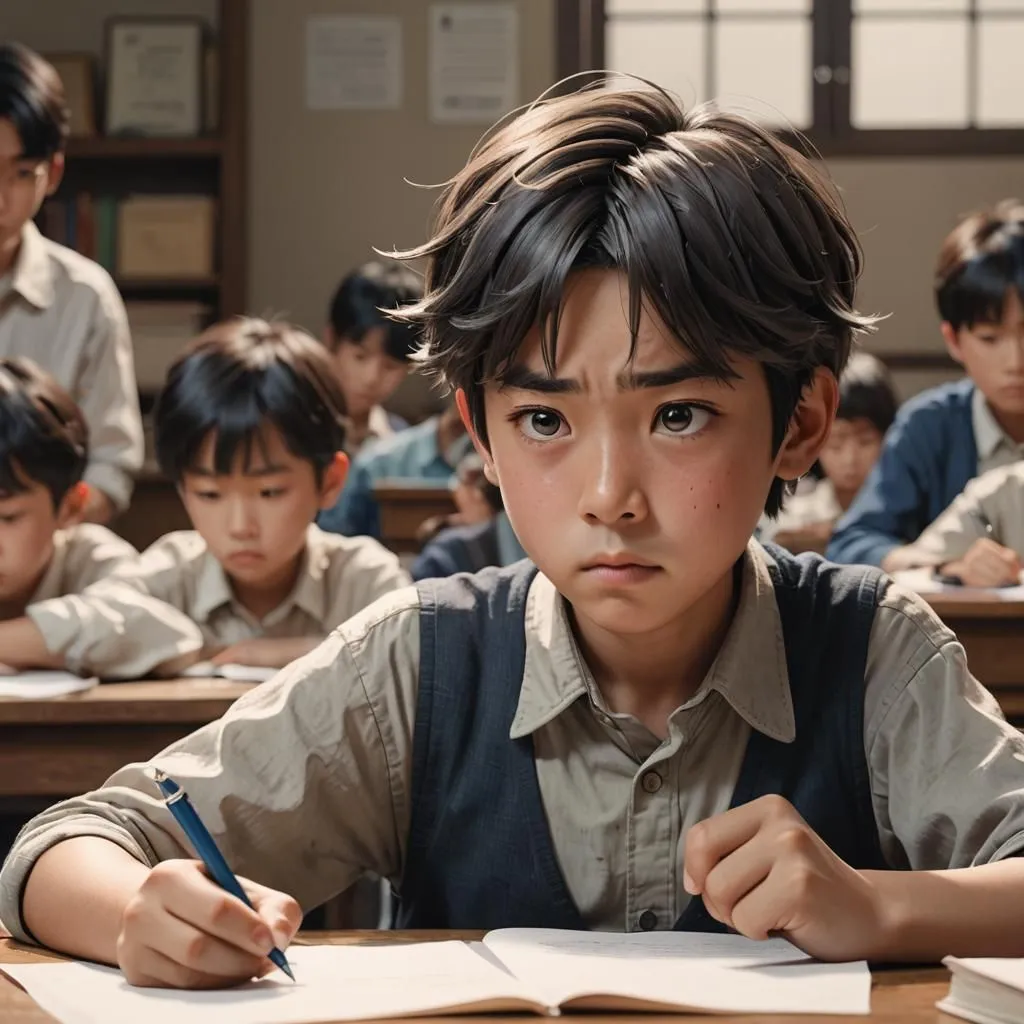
(181, 930)
(761, 869)
(986, 564)
(265, 651)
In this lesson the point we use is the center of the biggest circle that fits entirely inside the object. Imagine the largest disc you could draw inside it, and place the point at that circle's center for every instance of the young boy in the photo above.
(952, 433)
(251, 427)
(57, 307)
(662, 724)
(45, 552)
(867, 407)
(371, 352)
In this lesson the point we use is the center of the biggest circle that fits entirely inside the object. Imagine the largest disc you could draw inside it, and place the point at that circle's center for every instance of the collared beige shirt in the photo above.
(996, 497)
(83, 555)
(64, 312)
(306, 781)
(995, 447)
(177, 599)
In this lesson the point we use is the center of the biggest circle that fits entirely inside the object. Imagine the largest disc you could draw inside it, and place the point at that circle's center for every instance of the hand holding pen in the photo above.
(986, 563)
(183, 929)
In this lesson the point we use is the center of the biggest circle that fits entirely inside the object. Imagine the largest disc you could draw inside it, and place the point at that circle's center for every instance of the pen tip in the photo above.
(287, 970)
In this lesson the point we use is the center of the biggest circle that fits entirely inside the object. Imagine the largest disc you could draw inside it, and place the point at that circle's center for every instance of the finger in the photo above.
(711, 840)
(197, 950)
(150, 968)
(282, 914)
(737, 874)
(191, 896)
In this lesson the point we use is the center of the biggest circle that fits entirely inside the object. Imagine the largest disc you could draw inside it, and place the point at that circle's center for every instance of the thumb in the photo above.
(282, 915)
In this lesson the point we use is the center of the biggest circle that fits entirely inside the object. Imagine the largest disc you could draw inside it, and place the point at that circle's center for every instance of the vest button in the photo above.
(651, 782)
(648, 920)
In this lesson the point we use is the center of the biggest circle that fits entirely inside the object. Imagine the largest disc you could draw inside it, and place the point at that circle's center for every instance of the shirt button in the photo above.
(648, 920)
(651, 782)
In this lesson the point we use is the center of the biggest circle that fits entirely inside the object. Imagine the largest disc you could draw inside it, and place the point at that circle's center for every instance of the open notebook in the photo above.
(923, 581)
(514, 970)
(987, 990)
(44, 683)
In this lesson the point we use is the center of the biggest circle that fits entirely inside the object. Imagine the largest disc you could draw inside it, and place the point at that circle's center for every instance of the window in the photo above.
(857, 76)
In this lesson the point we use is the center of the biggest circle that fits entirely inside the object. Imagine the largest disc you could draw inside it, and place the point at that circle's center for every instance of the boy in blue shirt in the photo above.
(950, 434)
(658, 724)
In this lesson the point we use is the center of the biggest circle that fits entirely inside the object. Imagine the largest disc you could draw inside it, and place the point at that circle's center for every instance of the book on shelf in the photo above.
(159, 331)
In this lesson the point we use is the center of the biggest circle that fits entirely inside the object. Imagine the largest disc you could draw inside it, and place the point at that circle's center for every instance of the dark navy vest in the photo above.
(480, 854)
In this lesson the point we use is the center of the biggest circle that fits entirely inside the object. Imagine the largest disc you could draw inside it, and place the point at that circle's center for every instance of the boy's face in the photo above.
(24, 184)
(849, 453)
(367, 374)
(254, 520)
(993, 356)
(28, 522)
(633, 488)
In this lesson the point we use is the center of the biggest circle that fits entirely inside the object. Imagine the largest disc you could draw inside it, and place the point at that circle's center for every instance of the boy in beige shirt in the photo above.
(656, 724)
(251, 426)
(45, 552)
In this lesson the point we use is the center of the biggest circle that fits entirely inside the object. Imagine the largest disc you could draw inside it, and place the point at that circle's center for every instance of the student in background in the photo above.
(45, 551)
(946, 436)
(646, 355)
(979, 539)
(479, 534)
(429, 451)
(371, 352)
(57, 307)
(867, 407)
(250, 426)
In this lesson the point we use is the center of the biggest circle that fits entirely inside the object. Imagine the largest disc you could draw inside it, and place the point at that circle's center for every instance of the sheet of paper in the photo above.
(236, 673)
(923, 581)
(42, 684)
(474, 61)
(332, 983)
(353, 62)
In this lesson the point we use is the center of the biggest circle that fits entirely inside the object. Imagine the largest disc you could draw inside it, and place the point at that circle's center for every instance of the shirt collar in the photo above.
(32, 278)
(378, 424)
(213, 588)
(749, 672)
(988, 435)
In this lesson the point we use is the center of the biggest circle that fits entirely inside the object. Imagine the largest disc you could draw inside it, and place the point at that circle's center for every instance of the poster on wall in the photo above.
(353, 63)
(474, 61)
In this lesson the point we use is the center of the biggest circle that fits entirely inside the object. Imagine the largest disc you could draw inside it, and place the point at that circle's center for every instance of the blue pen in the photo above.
(202, 842)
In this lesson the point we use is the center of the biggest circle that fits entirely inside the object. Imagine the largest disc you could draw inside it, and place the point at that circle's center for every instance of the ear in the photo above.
(809, 426)
(462, 404)
(54, 173)
(951, 336)
(71, 510)
(333, 480)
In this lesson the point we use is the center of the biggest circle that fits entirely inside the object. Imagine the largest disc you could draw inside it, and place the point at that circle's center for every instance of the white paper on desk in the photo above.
(236, 673)
(923, 581)
(38, 685)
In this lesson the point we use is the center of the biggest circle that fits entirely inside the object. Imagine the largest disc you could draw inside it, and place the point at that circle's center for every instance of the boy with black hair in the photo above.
(371, 352)
(867, 407)
(250, 425)
(948, 435)
(45, 551)
(643, 312)
(57, 307)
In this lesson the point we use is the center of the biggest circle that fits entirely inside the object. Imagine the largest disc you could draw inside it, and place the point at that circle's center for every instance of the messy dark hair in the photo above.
(979, 263)
(731, 237)
(32, 99)
(866, 392)
(237, 378)
(43, 435)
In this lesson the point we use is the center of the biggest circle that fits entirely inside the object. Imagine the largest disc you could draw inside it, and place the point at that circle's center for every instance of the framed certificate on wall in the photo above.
(155, 76)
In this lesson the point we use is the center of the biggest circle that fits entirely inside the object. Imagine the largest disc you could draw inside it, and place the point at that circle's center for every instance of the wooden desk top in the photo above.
(159, 700)
(981, 606)
(897, 997)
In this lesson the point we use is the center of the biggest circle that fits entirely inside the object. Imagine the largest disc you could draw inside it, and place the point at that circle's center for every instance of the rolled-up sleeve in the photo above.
(303, 783)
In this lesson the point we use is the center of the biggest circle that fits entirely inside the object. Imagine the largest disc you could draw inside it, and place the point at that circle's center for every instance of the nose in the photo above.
(1016, 354)
(242, 524)
(612, 492)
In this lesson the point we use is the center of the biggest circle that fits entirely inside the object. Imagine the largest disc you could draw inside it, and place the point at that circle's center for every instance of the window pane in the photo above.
(669, 53)
(776, 91)
(909, 6)
(764, 6)
(909, 73)
(1000, 73)
(613, 7)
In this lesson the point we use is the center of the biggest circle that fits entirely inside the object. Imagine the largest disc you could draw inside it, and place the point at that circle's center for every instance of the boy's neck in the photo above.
(844, 497)
(649, 675)
(260, 599)
(358, 429)
(9, 250)
(1012, 424)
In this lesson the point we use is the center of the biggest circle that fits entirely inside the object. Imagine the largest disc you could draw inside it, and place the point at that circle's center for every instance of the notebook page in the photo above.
(42, 684)
(333, 983)
(923, 581)
(236, 673)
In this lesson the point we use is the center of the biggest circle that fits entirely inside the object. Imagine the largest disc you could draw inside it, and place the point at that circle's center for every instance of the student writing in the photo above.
(57, 307)
(250, 425)
(643, 312)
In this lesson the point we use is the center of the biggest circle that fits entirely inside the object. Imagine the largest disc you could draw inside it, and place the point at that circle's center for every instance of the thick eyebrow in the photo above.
(522, 379)
(258, 471)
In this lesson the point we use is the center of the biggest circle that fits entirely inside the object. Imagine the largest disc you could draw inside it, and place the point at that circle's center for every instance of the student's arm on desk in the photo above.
(24, 646)
(266, 651)
(317, 758)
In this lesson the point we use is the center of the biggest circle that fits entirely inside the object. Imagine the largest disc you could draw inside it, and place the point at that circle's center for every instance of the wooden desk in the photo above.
(404, 507)
(897, 997)
(67, 745)
(992, 633)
